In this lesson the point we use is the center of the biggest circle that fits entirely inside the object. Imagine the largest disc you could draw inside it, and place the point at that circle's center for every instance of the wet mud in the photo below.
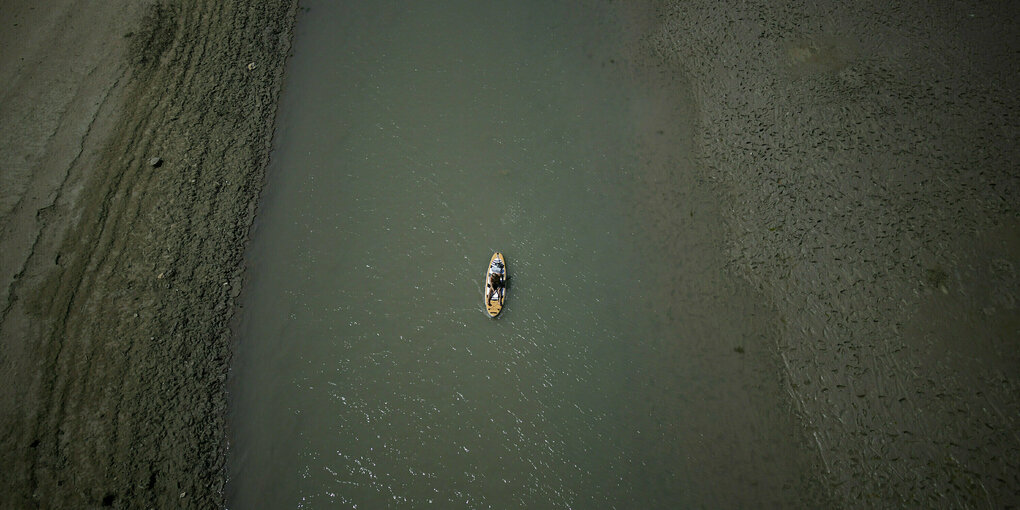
(135, 139)
(865, 159)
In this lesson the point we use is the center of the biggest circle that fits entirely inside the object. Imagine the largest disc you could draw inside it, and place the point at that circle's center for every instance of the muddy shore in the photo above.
(134, 144)
(866, 155)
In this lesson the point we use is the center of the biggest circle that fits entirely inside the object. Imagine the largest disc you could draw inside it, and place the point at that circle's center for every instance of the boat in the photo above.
(495, 298)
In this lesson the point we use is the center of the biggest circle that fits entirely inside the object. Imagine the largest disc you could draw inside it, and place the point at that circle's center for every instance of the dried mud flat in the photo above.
(134, 144)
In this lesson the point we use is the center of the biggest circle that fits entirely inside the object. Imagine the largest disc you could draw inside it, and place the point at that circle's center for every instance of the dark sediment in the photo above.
(866, 153)
(122, 281)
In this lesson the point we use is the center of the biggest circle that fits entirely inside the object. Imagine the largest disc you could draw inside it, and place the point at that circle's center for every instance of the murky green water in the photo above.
(412, 142)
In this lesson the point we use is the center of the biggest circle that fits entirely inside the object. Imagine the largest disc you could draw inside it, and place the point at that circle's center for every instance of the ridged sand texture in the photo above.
(119, 290)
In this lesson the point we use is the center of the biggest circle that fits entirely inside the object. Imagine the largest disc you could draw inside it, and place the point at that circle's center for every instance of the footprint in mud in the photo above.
(815, 55)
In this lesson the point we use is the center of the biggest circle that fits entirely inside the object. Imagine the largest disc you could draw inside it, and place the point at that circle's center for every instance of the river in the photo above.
(628, 370)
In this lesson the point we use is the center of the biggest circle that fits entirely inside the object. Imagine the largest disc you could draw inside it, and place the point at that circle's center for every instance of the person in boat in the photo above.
(495, 284)
(495, 279)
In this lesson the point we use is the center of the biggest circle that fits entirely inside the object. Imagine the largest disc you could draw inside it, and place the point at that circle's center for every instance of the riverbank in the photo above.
(134, 144)
(865, 156)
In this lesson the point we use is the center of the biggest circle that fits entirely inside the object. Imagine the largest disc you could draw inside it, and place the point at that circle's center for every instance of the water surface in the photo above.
(413, 141)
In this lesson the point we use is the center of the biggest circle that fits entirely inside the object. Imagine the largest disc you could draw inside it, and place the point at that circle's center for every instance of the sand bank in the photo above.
(134, 142)
(866, 155)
